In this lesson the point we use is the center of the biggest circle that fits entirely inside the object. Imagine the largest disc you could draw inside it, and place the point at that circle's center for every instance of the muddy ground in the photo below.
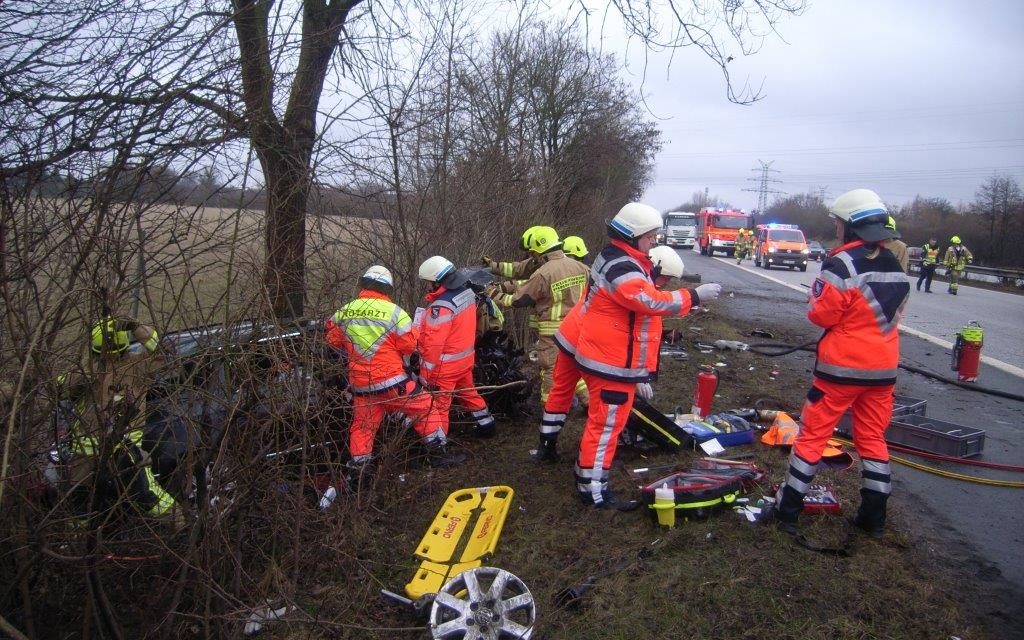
(717, 578)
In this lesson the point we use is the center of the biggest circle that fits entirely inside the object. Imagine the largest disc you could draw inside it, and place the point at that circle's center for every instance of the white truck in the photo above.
(680, 229)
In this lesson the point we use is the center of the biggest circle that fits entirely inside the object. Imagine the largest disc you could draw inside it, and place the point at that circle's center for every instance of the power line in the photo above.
(729, 120)
(763, 189)
(950, 145)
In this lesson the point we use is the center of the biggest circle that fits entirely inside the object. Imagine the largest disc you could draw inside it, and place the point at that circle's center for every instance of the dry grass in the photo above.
(719, 578)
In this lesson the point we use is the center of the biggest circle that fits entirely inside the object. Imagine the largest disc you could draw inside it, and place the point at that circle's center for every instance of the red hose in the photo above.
(974, 463)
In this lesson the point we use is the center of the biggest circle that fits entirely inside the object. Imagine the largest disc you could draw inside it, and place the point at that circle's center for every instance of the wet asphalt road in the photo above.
(980, 527)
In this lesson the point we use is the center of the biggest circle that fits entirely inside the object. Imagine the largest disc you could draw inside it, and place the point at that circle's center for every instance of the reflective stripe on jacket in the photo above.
(859, 302)
(615, 340)
(568, 334)
(931, 254)
(519, 270)
(553, 290)
(113, 393)
(957, 257)
(375, 333)
(448, 330)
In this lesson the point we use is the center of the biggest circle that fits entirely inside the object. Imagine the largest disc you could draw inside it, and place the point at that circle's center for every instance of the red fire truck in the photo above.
(717, 229)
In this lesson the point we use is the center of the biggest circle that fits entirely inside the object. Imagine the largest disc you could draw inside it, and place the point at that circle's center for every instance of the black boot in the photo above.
(547, 449)
(870, 516)
(788, 507)
(608, 500)
(358, 476)
(439, 457)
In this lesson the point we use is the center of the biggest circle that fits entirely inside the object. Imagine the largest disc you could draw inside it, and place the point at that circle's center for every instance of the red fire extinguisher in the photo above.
(704, 390)
(967, 352)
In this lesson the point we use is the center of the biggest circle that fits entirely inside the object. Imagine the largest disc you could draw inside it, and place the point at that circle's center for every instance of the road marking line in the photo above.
(917, 333)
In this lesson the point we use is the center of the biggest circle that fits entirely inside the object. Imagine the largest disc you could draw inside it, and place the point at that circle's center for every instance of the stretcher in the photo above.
(463, 534)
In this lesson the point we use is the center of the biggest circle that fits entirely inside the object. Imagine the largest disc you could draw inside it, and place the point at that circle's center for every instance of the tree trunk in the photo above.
(285, 145)
(287, 195)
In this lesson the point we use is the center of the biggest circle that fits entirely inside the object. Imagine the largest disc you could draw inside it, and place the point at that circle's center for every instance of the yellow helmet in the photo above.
(574, 246)
(890, 224)
(544, 239)
(115, 336)
(106, 334)
(524, 242)
(955, 239)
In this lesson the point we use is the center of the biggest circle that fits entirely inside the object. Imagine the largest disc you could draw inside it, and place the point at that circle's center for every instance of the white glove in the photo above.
(708, 291)
(645, 390)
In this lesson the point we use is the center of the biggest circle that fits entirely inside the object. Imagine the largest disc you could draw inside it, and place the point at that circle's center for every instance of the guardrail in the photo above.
(1013, 277)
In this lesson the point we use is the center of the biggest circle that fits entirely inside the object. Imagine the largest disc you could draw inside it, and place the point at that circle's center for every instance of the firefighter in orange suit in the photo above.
(552, 290)
(858, 299)
(447, 339)
(567, 376)
(377, 336)
(613, 348)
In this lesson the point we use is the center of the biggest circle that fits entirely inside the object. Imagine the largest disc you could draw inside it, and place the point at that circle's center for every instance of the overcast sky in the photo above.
(910, 97)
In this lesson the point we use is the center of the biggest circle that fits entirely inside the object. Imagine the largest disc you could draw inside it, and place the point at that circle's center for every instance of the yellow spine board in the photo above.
(445, 536)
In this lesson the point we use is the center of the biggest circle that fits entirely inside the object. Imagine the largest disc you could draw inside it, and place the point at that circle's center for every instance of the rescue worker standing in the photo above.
(106, 434)
(744, 243)
(377, 336)
(957, 258)
(858, 299)
(613, 349)
(447, 348)
(552, 290)
(929, 259)
(575, 248)
(897, 246)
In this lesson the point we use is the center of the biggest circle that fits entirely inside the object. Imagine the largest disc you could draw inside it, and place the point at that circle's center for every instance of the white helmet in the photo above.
(864, 213)
(667, 261)
(379, 274)
(636, 219)
(435, 268)
(859, 206)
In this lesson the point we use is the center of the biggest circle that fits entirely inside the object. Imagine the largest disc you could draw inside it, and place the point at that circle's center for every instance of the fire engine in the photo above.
(717, 229)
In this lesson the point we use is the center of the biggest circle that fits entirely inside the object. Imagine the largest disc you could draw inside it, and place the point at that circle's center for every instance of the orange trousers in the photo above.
(448, 385)
(565, 380)
(368, 412)
(610, 404)
(826, 403)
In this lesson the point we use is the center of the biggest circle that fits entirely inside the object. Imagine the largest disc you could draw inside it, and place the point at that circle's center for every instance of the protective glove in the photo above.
(492, 291)
(486, 261)
(126, 323)
(709, 291)
(412, 362)
(645, 390)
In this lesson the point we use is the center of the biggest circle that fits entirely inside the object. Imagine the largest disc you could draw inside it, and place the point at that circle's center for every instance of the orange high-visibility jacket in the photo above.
(859, 302)
(448, 331)
(618, 313)
(375, 333)
(568, 334)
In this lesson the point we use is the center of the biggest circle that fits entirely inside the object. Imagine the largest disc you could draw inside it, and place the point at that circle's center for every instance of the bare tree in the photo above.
(998, 200)
(722, 30)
